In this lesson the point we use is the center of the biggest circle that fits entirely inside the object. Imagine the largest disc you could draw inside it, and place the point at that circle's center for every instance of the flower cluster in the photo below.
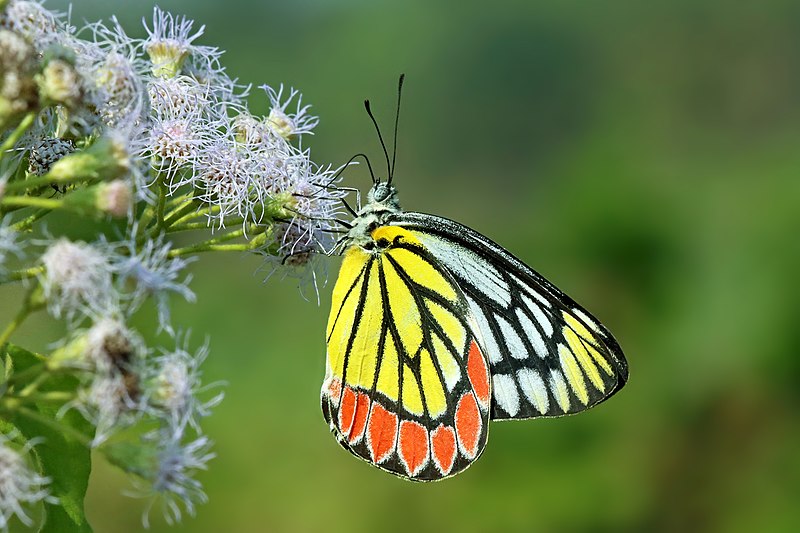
(140, 138)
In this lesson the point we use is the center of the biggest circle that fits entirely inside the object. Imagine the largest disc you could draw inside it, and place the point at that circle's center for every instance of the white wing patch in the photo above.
(533, 334)
(490, 346)
(527, 288)
(466, 264)
(505, 393)
(559, 388)
(534, 389)
(516, 346)
(538, 314)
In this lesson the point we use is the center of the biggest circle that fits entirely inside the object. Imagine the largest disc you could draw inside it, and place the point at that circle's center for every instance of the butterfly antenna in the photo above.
(396, 122)
(380, 137)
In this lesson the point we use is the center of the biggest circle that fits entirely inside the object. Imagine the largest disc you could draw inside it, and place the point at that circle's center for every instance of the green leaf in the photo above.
(63, 457)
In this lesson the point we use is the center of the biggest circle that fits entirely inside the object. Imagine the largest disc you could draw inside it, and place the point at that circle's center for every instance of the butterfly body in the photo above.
(435, 330)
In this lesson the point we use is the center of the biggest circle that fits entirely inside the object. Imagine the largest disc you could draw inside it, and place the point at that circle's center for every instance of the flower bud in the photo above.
(59, 83)
(107, 158)
(168, 56)
(18, 93)
(113, 198)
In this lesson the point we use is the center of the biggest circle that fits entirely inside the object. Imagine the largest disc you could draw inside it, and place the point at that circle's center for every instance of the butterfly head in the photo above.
(383, 197)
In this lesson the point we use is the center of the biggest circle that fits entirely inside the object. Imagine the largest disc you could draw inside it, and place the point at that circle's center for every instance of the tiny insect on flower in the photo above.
(46, 152)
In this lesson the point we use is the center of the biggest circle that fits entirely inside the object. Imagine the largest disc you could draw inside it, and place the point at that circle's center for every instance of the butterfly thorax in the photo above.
(382, 205)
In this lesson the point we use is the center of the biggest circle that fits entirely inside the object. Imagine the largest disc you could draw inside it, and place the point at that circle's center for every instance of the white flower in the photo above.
(77, 279)
(31, 20)
(20, 485)
(172, 384)
(289, 125)
(152, 272)
(172, 481)
(9, 244)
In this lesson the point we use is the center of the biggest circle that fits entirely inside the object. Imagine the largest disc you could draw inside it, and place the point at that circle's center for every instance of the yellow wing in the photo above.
(407, 386)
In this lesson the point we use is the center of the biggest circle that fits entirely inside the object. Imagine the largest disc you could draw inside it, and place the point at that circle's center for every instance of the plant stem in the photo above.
(162, 202)
(178, 214)
(18, 132)
(18, 275)
(14, 324)
(31, 201)
(26, 223)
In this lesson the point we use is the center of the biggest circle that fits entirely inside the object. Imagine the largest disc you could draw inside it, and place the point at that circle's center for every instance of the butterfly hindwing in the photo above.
(407, 386)
(548, 356)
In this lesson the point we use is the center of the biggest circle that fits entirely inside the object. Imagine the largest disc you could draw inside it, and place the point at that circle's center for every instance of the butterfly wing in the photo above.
(548, 355)
(407, 387)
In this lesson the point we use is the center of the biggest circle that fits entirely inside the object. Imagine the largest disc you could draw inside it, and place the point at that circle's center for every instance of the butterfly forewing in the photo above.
(548, 356)
(407, 386)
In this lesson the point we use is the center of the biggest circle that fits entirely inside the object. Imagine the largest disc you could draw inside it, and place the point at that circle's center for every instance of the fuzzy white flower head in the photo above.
(172, 481)
(77, 279)
(153, 273)
(289, 125)
(172, 384)
(20, 485)
(31, 20)
(169, 42)
(116, 89)
(178, 96)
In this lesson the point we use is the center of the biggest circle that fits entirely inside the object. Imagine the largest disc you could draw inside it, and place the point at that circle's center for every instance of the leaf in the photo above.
(63, 457)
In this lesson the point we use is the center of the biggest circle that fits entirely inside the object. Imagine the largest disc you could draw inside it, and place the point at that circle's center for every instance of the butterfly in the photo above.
(434, 330)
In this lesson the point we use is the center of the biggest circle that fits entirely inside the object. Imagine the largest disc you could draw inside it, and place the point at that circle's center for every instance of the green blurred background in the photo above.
(644, 156)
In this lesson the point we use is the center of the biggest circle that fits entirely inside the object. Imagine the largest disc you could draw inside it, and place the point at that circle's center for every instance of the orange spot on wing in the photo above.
(335, 391)
(413, 446)
(381, 432)
(478, 374)
(347, 410)
(468, 424)
(360, 417)
(443, 439)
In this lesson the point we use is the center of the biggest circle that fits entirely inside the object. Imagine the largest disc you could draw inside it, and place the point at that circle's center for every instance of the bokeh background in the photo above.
(644, 156)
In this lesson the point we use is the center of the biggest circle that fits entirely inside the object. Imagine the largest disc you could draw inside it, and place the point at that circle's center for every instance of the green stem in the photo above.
(203, 247)
(179, 213)
(52, 424)
(19, 275)
(18, 132)
(31, 201)
(14, 324)
(216, 245)
(26, 223)
(162, 202)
